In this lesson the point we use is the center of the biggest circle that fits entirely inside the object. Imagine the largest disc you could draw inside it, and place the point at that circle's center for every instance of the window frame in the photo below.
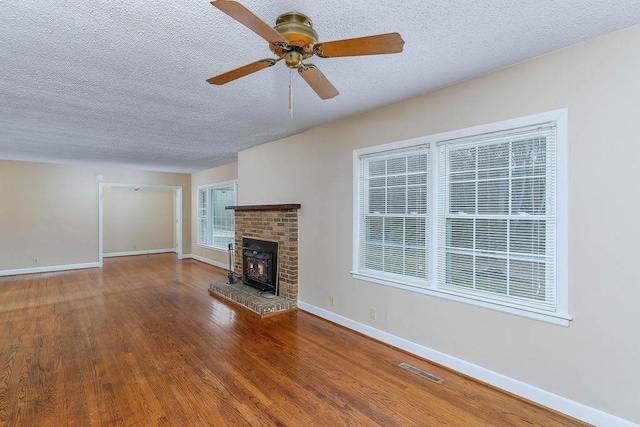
(210, 223)
(560, 314)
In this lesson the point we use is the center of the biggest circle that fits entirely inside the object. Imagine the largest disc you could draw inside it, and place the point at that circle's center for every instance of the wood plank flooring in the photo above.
(141, 342)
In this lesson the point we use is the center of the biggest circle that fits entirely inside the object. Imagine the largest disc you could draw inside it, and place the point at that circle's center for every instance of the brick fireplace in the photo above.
(274, 223)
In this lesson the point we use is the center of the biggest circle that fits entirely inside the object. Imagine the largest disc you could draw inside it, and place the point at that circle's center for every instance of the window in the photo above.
(394, 223)
(476, 215)
(216, 225)
(496, 219)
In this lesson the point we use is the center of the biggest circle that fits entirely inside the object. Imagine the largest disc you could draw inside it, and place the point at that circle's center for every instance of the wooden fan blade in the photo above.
(317, 81)
(370, 45)
(245, 70)
(249, 20)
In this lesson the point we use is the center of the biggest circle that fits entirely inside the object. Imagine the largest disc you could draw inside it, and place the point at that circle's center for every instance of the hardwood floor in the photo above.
(141, 342)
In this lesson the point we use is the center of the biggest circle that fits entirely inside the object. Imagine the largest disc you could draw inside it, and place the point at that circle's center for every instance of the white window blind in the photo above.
(496, 217)
(394, 216)
(203, 215)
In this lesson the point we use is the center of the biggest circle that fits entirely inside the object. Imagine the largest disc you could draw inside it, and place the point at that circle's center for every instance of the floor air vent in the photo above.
(422, 373)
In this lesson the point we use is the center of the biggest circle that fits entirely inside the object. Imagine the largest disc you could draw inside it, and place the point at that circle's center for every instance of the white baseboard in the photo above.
(130, 253)
(527, 391)
(49, 269)
(207, 261)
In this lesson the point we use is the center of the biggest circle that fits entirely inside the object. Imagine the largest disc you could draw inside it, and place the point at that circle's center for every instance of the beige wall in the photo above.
(217, 175)
(139, 220)
(50, 211)
(596, 360)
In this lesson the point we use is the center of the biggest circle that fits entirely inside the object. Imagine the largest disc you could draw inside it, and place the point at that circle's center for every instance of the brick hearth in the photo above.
(251, 298)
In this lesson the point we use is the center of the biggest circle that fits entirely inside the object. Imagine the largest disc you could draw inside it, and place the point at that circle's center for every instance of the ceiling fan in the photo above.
(294, 40)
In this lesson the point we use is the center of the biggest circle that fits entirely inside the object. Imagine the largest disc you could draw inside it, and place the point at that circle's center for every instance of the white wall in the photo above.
(138, 220)
(50, 211)
(596, 360)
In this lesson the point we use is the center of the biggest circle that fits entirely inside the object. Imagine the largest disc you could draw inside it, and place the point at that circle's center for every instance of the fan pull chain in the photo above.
(290, 95)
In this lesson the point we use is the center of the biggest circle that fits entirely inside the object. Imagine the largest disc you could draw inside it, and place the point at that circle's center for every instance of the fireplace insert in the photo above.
(260, 264)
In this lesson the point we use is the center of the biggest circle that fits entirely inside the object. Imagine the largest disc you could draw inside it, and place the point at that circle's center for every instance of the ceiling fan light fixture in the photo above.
(293, 59)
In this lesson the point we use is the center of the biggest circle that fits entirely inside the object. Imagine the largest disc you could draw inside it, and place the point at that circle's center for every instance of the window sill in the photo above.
(553, 318)
(214, 248)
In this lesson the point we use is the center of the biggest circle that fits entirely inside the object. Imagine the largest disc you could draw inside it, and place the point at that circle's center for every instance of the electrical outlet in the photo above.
(134, 246)
(332, 300)
(372, 313)
(35, 260)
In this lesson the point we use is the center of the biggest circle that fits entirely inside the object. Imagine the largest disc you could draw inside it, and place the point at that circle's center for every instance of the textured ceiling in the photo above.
(123, 81)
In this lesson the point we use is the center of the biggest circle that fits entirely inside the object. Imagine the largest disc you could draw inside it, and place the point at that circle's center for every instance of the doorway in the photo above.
(131, 212)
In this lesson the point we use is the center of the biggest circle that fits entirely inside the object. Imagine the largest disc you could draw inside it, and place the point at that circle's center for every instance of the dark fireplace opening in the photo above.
(260, 264)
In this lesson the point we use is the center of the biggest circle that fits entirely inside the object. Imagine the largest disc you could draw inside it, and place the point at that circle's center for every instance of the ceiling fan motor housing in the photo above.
(298, 30)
